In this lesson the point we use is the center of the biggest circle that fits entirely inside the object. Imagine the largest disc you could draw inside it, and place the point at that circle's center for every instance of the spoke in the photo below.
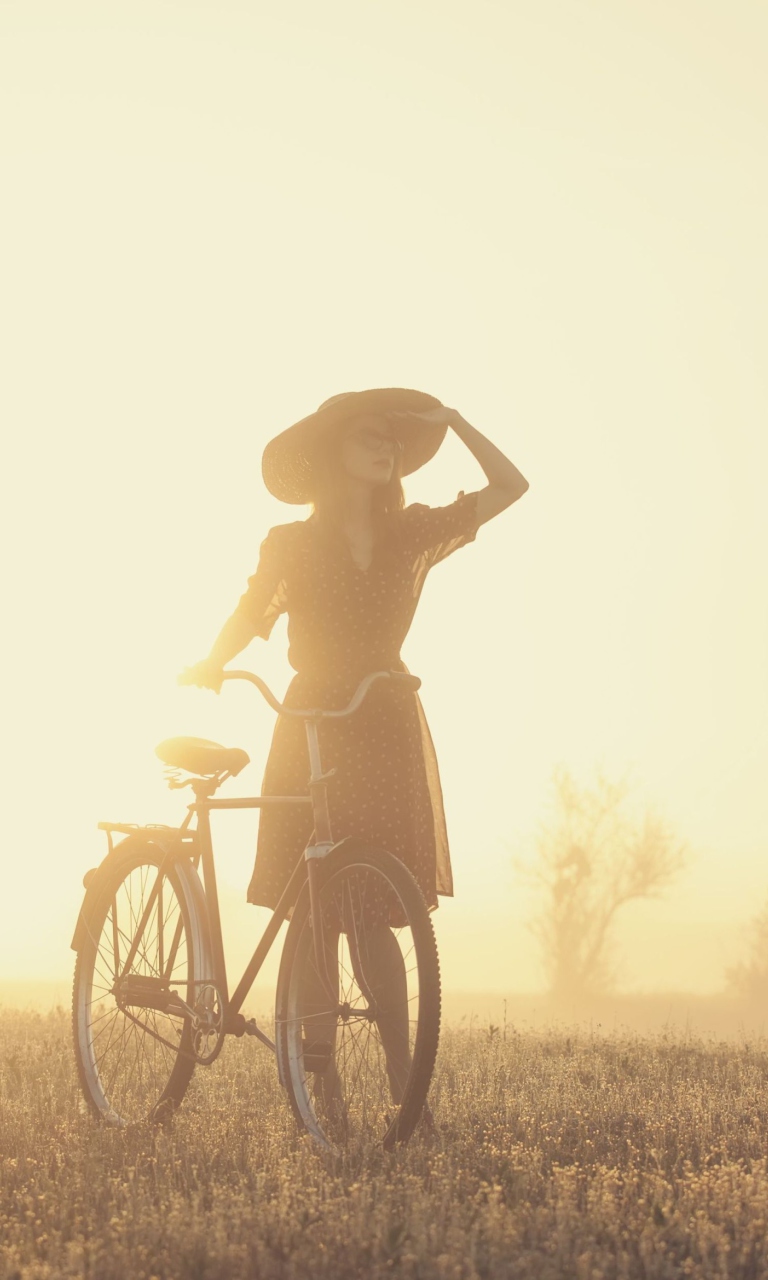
(359, 1053)
(129, 1060)
(154, 1051)
(104, 957)
(115, 938)
(350, 977)
(104, 978)
(129, 890)
(354, 1041)
(352, 1047)
(364, 1058)
(104, 1053)
(146, 937)
(107, 1013)
(140, 951)
(172, 910)
(164, 1047)
(102, 1030)
(348, 1038)
(143, 1032)
(306, 1017)
(160, 928)
(108, 1090)
(96, 987)
(140, 1056)
(146, 915)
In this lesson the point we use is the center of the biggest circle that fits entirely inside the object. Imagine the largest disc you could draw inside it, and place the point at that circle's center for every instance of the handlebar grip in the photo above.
(406, 679)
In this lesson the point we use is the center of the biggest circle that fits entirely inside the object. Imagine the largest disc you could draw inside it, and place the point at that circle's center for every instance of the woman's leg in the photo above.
(383, 975)
(320, 1016)
(383, 971)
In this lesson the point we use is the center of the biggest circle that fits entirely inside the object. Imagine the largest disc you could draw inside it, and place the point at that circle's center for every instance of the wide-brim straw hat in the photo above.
(287, 461)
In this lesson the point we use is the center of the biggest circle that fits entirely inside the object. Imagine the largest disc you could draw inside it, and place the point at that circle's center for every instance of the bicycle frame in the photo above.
(321, 843)
(202, 808)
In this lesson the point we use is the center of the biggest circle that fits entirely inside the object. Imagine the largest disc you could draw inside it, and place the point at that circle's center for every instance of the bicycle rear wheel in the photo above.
(357, 1054)
(133, 1042)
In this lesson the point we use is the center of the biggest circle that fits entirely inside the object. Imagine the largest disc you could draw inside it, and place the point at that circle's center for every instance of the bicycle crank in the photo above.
(207, 1024)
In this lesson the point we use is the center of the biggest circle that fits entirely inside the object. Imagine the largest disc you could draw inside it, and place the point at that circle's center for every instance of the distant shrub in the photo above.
(749, 978)
(593, 859)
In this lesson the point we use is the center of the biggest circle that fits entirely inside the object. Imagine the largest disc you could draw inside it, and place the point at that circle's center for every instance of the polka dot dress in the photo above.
(343, 622)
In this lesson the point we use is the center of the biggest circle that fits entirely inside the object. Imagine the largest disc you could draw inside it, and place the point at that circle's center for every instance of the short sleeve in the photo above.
(266, 596)
(438, 531)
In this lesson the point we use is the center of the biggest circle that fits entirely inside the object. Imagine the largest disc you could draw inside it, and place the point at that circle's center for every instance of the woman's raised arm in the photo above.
(505, 483)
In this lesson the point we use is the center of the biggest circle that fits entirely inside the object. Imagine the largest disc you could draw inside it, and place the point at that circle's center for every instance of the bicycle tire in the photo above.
(389, 1121)
(126, 1073)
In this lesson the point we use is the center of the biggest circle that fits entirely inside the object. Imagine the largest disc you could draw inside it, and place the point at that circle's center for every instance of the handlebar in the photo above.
(402, 678)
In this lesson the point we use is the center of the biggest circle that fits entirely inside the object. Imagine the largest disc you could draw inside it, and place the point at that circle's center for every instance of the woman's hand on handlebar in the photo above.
(205, 674)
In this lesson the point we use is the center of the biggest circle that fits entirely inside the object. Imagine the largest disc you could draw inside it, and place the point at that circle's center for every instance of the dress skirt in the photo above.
(386, 789)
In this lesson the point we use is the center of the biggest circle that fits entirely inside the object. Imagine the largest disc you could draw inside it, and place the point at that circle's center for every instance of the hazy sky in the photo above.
(552, 216)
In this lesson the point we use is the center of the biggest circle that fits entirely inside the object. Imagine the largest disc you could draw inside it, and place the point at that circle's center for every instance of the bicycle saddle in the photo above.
(198, 755)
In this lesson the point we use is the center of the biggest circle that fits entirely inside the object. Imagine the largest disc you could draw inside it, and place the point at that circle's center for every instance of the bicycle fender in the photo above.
(95, 878)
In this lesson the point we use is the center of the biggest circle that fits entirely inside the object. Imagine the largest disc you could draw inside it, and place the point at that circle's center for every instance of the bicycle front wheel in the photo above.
(132, 1038)
(357, 1034)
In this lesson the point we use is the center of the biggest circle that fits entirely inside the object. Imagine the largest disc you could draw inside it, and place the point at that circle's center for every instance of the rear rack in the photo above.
(130, 828)
(161, 832)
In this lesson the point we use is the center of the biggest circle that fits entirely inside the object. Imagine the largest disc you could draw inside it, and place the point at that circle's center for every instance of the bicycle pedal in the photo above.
(251, 1029)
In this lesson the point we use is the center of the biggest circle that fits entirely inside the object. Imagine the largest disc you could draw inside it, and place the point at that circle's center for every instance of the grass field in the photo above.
(560, 1154)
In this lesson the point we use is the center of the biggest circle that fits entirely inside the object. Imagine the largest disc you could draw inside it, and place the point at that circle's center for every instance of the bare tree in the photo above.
(749, 978)
(591, 860)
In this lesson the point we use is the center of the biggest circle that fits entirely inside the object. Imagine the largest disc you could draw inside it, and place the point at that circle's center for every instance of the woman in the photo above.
(350, 576)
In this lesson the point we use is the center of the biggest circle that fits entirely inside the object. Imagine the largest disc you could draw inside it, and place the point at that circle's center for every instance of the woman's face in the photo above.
(369, 447)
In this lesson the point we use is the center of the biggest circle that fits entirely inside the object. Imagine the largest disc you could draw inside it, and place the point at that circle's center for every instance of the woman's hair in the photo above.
(328, 483)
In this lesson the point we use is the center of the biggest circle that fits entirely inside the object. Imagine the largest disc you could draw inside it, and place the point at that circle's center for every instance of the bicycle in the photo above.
(357, 1003)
